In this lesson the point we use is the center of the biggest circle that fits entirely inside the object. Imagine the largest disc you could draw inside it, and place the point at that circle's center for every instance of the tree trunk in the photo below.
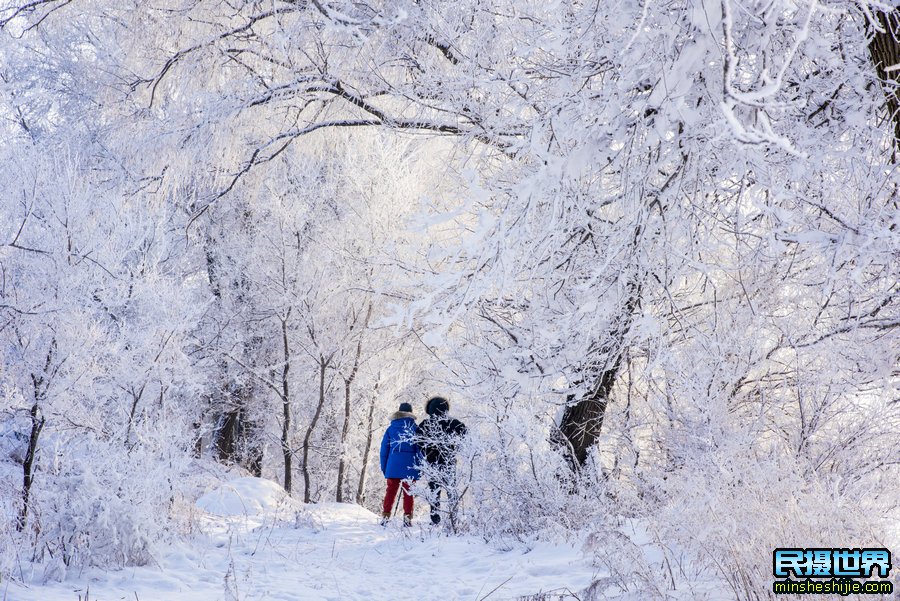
(226, 435)
(286, 407)
(37, 424)
(41, 386)
(251, 433)
(582, 419)
(884, 49)
(135, 399)
(198, 440)
(339, 496)
(323, 365)
(235, 438)
(361, 487)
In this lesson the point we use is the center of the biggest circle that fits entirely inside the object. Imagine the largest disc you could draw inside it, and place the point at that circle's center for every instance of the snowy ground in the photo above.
(259, 545)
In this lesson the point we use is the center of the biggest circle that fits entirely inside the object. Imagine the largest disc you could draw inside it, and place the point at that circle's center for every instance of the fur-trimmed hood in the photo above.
(402, 414)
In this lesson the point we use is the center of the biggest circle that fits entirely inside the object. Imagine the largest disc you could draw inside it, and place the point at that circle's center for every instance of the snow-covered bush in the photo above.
(512, 485)
(726, 511)
(96, 431)
(100, 505)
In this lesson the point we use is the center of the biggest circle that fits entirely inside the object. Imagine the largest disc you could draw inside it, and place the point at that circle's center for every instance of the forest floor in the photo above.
(256, 544)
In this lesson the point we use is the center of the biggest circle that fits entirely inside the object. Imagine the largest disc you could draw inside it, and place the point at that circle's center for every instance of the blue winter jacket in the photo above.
(399, 453)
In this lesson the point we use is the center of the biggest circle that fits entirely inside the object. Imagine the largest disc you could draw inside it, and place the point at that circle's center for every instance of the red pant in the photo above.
(391, 493)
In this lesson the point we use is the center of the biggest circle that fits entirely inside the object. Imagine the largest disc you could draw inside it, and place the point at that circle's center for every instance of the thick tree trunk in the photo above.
(582, 420)
(884, 49)
(234, 439)
(226, 435)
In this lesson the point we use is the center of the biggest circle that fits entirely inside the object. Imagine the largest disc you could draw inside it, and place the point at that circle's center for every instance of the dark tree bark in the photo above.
(227, 434)
(884, 49)
(324, 363)
(41, 385)
(37, 424)
(197, 450)
(582, 420)
(286, 450)
(236, 436)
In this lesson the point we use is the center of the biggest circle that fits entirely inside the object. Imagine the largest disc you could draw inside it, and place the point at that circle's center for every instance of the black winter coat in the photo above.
(438, 437)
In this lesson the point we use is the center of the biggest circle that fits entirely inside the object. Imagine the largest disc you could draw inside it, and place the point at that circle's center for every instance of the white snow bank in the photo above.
(246, 496)
(336, 512)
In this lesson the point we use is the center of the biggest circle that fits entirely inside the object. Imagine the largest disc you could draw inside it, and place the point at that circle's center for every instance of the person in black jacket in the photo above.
(439, 435)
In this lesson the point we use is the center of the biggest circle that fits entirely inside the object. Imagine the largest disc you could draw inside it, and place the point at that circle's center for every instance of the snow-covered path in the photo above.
(333, 552)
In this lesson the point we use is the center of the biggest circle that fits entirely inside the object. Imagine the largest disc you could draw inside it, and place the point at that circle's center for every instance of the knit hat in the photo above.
(406, 407)
(437, 406)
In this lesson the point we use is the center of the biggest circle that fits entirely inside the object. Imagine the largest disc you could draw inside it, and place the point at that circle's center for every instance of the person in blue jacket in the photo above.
(399, 456)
